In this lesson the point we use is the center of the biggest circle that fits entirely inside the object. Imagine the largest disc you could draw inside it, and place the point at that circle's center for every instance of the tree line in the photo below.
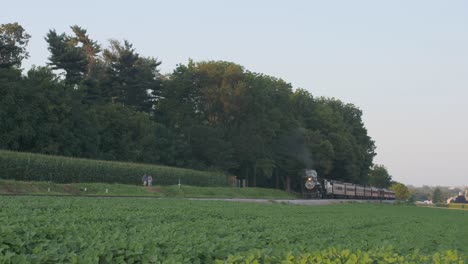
(113, 103)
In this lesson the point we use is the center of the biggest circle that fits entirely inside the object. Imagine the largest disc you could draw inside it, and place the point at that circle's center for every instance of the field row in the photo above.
(106, 230)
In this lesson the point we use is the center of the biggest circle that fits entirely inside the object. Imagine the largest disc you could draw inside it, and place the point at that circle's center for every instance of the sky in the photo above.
(404, 63)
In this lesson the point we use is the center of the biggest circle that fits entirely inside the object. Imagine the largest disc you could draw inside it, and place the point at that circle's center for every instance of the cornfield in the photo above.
(39, 167)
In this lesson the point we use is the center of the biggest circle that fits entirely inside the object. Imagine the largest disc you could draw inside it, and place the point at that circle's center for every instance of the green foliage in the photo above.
(36, 167)
(209, 115)
(104, 230)
(128, 77)
(379, 177)
(402, 192)
(13, 42)
(66, 55)
(89, 47)
(332, 255)
(53, 120)
(437, 196)
(75, 54)
(425, 192)
(126, 135)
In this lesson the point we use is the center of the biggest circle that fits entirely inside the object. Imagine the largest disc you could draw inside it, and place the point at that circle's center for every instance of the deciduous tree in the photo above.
(13, 42)
(379, 177)
(437, 196)
(401, 191)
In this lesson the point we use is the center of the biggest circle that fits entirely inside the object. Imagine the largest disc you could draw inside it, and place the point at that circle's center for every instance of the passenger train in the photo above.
(314, 187)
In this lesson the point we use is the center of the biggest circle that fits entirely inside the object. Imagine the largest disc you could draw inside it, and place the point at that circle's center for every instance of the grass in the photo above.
(106, 230)
(458, 206)
(452, 206)
(99, 189)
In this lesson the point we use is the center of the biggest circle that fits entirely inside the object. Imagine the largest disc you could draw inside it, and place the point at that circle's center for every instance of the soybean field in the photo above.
(148, 230)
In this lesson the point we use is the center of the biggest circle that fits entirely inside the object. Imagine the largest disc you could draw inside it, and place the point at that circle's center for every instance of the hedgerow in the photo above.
(38, 167)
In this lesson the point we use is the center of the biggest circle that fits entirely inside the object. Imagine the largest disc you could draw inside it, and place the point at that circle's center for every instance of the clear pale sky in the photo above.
(404, 63)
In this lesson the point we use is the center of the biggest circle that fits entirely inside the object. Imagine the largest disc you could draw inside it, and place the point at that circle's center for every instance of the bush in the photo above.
(441, 205)
(38, 167)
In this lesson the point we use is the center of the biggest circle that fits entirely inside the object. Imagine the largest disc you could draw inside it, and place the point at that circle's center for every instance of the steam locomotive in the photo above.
(314, 187)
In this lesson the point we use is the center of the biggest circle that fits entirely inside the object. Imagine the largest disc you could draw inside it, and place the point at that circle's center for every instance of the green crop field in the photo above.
(147, 230)
(58, 169)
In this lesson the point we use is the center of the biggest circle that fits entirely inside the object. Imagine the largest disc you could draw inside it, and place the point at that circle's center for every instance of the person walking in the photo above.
(150, 180)
(145, 180)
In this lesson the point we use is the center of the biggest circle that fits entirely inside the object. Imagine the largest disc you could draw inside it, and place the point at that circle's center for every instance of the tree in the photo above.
(402, 192)
(75, 54)
(379, 177)
(89, 47)
(341, 149)
(129, 77)
(127, 135)
(354, 149)
(437, 196)
(209, 145)
(292, 156)
(15, 128)
(213, 114)
(13, 42)
(66, 55)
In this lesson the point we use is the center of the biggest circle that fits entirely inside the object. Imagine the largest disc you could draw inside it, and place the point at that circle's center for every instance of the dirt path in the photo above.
(242, 200)
(295, 202)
